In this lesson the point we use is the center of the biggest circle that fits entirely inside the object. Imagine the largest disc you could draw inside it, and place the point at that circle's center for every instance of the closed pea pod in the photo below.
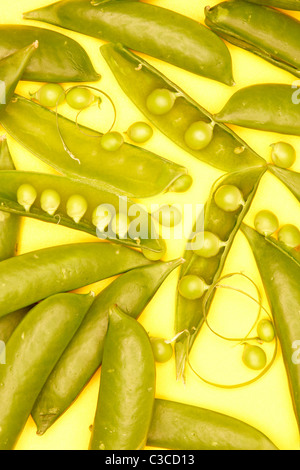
(140, 173)
(150, 29)
(284, 4)
(291, 179)
(138, 79)
(59, 59)
(127, 388)
(267, 32)
(266, 107)
(132, 292)
(31, 353)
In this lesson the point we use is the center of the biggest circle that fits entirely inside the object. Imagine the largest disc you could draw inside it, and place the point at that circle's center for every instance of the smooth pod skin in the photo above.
(284, 4)
(150, 29)
(131, 170)
(127, 387)
(291, 179)
(280, 273)
(31, 353)
(267, 32)
(34, 276)
(11, 181)
(266, 107)
(131, 292)
(138, 79)
(190, 313)
(59, 58)
(179, 426)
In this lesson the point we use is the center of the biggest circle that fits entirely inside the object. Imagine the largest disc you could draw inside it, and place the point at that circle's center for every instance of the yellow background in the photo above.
(265, 404)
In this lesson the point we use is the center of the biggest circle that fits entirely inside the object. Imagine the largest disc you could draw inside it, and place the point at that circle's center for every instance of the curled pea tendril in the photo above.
(66, 148)
(239, 341)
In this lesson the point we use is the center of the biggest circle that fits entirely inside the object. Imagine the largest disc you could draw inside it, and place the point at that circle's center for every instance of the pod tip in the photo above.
(3, 138)
(36, 44)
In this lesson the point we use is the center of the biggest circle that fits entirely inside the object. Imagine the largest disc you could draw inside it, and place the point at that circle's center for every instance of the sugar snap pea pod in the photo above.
(284, 4)
(59, 58)
(34, 276)
(224, 225)
(288, 177)
(9, 323)
(31, 353)
(266, 107)
(179, 426)
(12, 70)
(150, 29)
(280, 272)
(139, 79)
(127, 388)
(268, 33)
(131, 292)
(57, 207)
(131, 170)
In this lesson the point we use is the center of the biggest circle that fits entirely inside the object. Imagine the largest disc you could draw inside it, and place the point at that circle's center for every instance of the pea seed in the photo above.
(192, 287)
(154, 256)
(79, 98)
(161, 101)
(50, 95)
(207, 245)
(182, 184)
(50, 201)
(168, 216)
(283, 154)
(265, 331)
(102, 216)
(112, 141)
(266, 223)
(254, 357)
(162, 350)
(76, 207)
(140, 132)
(289, 235)
(229, 198)
(199, 135)
(26, 196)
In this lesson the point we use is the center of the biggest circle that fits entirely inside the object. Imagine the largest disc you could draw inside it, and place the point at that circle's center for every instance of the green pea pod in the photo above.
(31, 353)
(127, 388)
(280, 273)
(9, 323)
(190, 314)
(150, 29)
(131, 292)
(266, 32)
(59, 58)
(184, 427)
(34, 276)
(11, 181)
(284, 4)
(266, 107)
(291, 179)
(131, 170)
(138, 79)
(12, 70)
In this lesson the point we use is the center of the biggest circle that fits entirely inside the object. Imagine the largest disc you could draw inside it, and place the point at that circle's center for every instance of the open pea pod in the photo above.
(150, 29)
(190, 314)
(139, 79)
(290, 178)
(267, 32)
(59, 58)
(284, 4)
(280, 272)
(57, 207)
(131, 170)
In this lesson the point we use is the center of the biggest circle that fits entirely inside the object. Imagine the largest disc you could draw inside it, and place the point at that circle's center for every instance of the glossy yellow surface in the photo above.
(265, 404)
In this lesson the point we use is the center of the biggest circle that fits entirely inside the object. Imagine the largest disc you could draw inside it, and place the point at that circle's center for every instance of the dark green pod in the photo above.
(34, 276)
(31, 353)
(284, 4)
(280, 273)
(190, 314)
(131, 170)
(266, 32)
(266, 107)
(290, 178)
(131, 292)
(179, 426)
(127, 387)
(138, 79)
(59, 58)
(150, 29)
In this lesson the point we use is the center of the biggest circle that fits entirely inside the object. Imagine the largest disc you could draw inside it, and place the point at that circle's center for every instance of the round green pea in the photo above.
(182, 184)
(266, 223)
(50, 95)
(50, 201)
(192, 287)
(254, 357)
(101, 217)
(199, 135)
(76, 207)
(265, 331)
(229, 198)
(112, 141)
(120, 225)
(283, 154)
(26, 196)
(289, 235)
(80, 98)
(161, 101)
(162, 350)
(140, 132)
(168, 216)
(207, 245)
